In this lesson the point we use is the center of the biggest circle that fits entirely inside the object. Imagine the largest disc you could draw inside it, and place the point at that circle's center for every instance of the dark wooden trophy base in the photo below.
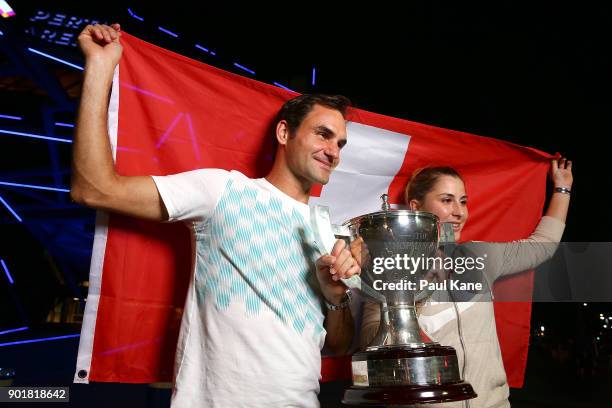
(404, 376)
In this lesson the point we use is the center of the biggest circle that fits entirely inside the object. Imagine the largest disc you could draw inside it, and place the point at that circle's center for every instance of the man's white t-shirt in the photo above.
(252, 327)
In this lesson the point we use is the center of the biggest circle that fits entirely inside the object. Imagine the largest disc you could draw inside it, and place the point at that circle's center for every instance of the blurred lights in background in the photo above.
(5, 10)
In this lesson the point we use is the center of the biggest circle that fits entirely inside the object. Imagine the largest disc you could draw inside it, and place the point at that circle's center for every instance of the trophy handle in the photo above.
(447, 234)
(446, 244)
(325, 235)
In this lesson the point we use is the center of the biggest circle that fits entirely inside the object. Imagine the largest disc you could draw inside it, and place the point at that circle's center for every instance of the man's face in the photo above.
(313, 152)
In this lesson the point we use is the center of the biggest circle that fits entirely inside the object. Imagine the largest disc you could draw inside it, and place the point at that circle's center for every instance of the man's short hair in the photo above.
(295, 110)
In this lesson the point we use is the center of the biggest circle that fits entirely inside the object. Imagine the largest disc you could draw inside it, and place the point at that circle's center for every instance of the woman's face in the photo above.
(447, 200)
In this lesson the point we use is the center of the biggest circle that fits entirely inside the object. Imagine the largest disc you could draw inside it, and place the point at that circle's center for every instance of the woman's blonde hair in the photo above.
(424, 179)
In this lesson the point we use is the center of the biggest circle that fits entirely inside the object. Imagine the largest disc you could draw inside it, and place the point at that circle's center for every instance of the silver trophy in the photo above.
(401, 365)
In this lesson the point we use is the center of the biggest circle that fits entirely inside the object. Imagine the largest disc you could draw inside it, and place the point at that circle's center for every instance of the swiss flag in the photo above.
(170, 114)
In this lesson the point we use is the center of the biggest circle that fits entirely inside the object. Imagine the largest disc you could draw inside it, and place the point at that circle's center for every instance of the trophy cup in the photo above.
(401, 365)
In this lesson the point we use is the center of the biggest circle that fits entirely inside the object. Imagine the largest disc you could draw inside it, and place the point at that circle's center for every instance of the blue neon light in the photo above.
(199, 47)
(134, 15)
(62, 124)
(70, 64)
(13, 343)
(8, 207)
(35, 136)
(283, 86)
(6, 271)
(14, 330)
(314, 76)
(34, 187)
(164, 30)
(242, 67)
(11, 117)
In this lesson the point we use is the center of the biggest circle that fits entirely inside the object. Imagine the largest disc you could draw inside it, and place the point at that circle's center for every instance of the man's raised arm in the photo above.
(94, 180)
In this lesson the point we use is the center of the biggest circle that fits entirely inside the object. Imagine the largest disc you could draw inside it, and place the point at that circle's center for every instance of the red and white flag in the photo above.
(170, 114)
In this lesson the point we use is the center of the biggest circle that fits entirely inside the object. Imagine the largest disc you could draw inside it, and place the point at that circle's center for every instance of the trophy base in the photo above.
(401, 375)
(408, 394)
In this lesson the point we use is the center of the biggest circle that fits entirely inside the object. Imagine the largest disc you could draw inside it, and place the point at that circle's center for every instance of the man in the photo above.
(253, 324)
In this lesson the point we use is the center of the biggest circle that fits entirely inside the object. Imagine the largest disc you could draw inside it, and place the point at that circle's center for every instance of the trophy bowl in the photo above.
(401, 365)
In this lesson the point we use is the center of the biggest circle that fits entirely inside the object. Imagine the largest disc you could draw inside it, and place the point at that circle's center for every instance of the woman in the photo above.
(441, 191)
